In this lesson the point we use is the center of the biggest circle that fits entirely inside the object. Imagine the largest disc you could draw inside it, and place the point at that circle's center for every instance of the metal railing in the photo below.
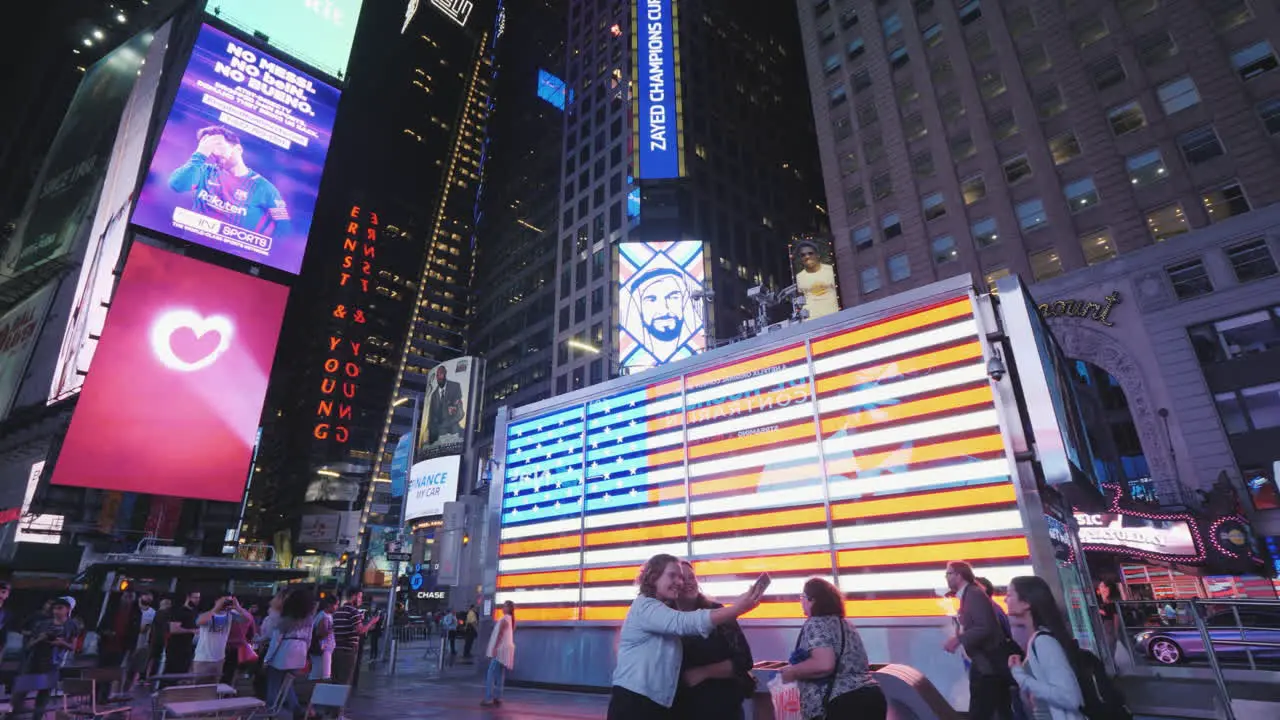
(1217, 632)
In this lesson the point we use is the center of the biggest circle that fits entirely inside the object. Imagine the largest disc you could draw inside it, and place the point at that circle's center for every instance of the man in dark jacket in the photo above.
(981, 637)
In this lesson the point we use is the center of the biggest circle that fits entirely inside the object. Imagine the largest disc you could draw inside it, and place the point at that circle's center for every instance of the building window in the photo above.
(1232, 413)
(1081, 194)
(863, 238)
(891, 226)
(935, 206)
(1228, 14)
(841, 128)
(892, 25)
(866, 114)
(1252, 408)
(922, 163)
(1225, 201)
(848, 163)
(836, 97)
(1133, 9)
(979, 45)
(970, 12)
(944, 249)
(848, 18)
(1050, 103)
(932, 35)
(872, 148)
(992, 84)
(984, 232)
(942, 72)
(973, 189)
(898, 57)
(1003, 125)
(993, 276)
(1107, 72)
(1064, 148)
(1154, 48)
(962, 146)
(855, 199)
(1020, 21)
(1178, 95)
(1251, 260)
(1089, 30)
(1189, 279)
(1254, 60)
(951, 107)
(1017, 169)
(831, 65)
(820, 7)
(870, 280)
(826, 34)
(1239, 336)
(1126, 118)
(1146, 167)
(1200, 145)
(1269, 111)
(1098, 247)
(913, 127)
(922, 6)
(907, 92)
(1035, 60)
(1045, 264)
(855, 48)
(881, 186)
(899, 267)
(1031, 214)
(861, 80)
(1166, 222)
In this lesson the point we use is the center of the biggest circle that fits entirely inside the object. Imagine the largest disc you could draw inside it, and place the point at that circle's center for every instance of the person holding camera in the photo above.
(214, 628)
(47, 641)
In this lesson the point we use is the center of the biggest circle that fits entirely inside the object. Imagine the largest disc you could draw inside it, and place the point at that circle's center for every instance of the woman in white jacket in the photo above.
(1046, 677)
(502, 654)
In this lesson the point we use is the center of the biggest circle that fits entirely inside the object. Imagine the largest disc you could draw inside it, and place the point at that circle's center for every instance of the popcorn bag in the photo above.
(786, 699)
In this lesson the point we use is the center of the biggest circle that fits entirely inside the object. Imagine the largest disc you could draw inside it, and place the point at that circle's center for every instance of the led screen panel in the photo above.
(657, 100)
(551, 89)
(19, 330)
(893, 422)
(432, 483)
(661, 313)
(446, 411)
(319, 34)
(172, 404)
(814, 267)
(239, 162)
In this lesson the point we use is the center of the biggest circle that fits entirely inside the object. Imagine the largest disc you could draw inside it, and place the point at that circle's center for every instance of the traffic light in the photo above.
(123, 584)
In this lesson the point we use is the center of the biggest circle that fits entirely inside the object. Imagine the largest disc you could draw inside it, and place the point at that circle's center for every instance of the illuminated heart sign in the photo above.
(183, 340)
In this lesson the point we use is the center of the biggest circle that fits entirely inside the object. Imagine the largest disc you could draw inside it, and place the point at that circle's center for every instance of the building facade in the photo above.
(1038, 137)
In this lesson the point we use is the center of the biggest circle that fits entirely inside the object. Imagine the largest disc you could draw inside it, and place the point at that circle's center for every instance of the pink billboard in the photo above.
(174, 398)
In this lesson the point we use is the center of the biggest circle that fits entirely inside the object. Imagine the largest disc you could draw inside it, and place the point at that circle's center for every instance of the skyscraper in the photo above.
(1035, 137)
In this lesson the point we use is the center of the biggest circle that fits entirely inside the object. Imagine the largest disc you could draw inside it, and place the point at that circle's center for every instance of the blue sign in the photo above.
(400, 465)
(415, 581)
(551, 89)
(659, 141)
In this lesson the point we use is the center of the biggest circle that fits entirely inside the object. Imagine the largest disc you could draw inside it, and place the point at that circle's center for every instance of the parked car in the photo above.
(1258, 632)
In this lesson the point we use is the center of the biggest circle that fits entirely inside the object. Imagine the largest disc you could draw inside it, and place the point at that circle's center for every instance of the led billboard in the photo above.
(317, 32)
(661, 316)
(172, 404)
(551, 89)
(874, 449)
(813, 264)
(446, 412)
(19, 330)
(239, 161)
(432, 483)
(657, 99)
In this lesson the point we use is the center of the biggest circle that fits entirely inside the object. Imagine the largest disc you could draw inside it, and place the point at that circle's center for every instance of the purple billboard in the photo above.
(239, 162)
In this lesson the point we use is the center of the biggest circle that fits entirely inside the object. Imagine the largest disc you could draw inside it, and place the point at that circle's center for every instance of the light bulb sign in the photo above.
(432, 483)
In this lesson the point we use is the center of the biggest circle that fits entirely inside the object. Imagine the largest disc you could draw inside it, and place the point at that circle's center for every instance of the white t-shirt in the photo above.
(145, 628)
(211, 644)
(819, 290)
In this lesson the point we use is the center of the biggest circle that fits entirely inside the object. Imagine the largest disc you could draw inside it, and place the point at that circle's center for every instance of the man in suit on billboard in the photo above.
(444, 406)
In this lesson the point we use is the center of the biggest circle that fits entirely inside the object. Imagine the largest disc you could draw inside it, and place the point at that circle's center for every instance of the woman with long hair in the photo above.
(649, 649)
(715, 675)
(830, 662)
(1046, 676)
(287, 652)
(502, 655)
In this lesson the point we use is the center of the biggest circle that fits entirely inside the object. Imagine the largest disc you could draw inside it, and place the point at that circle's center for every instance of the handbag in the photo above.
(246, 655)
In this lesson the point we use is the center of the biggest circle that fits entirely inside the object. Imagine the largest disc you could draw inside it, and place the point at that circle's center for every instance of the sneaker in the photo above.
(498, 703)
(488, 703)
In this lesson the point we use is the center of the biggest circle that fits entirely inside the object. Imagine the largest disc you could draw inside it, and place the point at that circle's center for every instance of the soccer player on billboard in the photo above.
(227, 189)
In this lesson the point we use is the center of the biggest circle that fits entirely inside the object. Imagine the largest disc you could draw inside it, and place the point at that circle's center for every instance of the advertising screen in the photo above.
(66, 192)
(239, 161)
(661, 313)
(319, 34)
(19, 330)
(446, 409)
(551, 89)
(658, 120)
(874, 449)
(1119, 532)
(173, 403)
(432, 483)
(814, 266)
(97, 276)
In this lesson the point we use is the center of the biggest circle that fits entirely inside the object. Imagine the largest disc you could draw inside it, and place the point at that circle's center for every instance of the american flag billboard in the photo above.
(870, 454)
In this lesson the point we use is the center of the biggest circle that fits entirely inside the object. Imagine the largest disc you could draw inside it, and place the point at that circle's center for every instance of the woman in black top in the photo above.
(715, 676)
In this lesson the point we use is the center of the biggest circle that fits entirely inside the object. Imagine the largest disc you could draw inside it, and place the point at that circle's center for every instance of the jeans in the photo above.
(494, 680)
(627, 705)
(989, 697)
(41, 706)
(275, 681)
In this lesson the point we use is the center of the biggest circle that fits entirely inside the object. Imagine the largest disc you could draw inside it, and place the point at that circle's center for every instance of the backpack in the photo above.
(1102, 699)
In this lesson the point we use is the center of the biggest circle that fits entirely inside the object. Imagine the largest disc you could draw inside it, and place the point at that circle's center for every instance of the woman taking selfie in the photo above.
(830, 663)
(649, 649)
(1046, 677)
(715, 675)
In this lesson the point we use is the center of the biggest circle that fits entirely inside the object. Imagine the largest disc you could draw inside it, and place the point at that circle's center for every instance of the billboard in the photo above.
(446, 411)
(814, 266)
(873, 449)
(173, 403)
(314, 529)
(19, 330)
(319, 34)
(657, 101)
(1119, 532)
(66, 191)
(661, 316)
(432, 483)
(551, 89)
(239, 161)
(97, 277)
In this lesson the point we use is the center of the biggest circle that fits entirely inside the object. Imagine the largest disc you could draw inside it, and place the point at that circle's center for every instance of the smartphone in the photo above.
(762, 583)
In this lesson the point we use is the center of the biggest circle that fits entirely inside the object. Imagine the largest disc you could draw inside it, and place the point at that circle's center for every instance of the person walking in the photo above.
(47, 642)
(649, 649)
(502, 655)
(715, 674)
(287, 651)
(830, 662)
(470, 630)
(982, 638)
(322, 642)
(349, 628)
(1046, 677)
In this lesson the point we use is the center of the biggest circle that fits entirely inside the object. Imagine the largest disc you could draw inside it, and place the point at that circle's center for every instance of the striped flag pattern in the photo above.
(870, 456)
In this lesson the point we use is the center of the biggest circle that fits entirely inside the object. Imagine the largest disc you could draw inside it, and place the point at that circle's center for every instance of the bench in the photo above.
(205, 708)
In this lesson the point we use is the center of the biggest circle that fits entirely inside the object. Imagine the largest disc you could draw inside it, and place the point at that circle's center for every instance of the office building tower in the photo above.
(1035, 137)
(747, 180)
